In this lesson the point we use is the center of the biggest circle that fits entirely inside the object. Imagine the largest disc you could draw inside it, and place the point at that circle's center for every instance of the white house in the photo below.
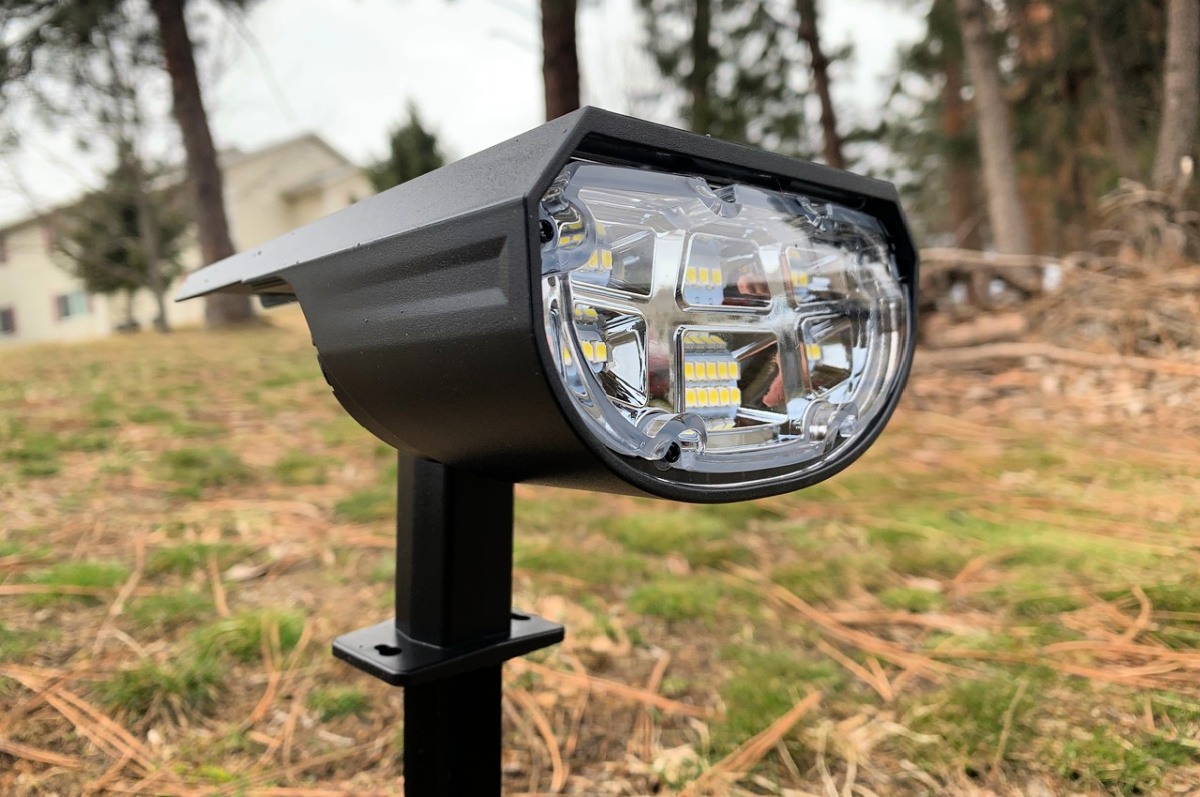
(267, 193)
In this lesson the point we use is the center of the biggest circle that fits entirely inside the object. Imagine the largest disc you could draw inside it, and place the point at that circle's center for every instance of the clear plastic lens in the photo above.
(727, 331)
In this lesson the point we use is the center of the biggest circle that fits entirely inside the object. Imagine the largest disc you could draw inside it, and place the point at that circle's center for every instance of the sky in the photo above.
(347, 70)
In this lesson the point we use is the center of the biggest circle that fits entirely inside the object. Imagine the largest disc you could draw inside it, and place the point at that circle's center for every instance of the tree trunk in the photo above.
(961, 184)
(560, 58)
(203, 168)
(704, 65)
(1111, 92)
(1010, 231)
(820, 72)
(1181, 92)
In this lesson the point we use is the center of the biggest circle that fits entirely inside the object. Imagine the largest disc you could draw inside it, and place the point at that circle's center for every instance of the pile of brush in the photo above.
(1138, 292)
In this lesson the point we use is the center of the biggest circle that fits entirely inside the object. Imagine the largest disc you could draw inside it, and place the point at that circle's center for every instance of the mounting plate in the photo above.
(386, 653)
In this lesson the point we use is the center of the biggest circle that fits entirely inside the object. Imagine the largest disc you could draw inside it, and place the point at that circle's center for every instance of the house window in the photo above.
(71, 304)
(8, 321)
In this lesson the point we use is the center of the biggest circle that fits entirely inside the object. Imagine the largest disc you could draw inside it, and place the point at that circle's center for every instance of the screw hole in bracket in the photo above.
(387, 650)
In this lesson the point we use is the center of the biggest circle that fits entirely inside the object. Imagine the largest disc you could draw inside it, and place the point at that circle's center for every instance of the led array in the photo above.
(710, 378)
(591, 335)
(796, 271)
(601, 260)
(703, 286)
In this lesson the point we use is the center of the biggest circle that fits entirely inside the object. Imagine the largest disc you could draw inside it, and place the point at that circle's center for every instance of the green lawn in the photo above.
(187, 521)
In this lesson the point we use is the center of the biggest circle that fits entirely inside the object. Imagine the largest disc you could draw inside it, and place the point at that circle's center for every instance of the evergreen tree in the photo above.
(413, 150)
(126, 237)
(736, 66)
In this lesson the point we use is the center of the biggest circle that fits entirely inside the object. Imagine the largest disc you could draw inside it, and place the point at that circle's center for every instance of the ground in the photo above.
(993, 601)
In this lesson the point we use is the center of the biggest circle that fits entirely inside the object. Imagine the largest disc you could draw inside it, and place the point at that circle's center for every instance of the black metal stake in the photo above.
(454, 627)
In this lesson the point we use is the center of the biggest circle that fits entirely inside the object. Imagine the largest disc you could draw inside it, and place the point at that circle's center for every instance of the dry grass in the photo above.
(990, 602)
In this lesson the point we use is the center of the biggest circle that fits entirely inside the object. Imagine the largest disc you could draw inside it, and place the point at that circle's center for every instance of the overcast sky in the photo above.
(347, 68)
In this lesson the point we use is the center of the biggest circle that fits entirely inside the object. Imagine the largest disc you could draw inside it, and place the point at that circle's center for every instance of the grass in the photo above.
(971, 715)
(332, 702)
(702, 538)
(241, 636)
(36, 455)
(15, 645)
(298, 467)
(1061, 529)
(912, 600)
(164, 613)
(367, 506)
(151, 413)
(765, 684)
(679, 598)
(186, 558)
(820, 579)
(194, 469)
(191, 682)
(67, 575)
(593, 568)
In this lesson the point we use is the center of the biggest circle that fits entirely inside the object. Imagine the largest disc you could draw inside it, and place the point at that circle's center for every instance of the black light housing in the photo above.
(426, 305)
(601, 303)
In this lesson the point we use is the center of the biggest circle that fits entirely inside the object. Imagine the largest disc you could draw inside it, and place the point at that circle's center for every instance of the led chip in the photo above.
(714, 397)
(711, 369)
(586, 345)
(735, 396)
(703, 276)
(724, 396)
(601, 352)
(733, 370)
(701, 398)
(689, 371)
(691, 397)
(723, 370)
(689, 277)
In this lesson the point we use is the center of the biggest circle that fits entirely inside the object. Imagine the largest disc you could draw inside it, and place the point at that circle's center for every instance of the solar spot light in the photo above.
(601, 303)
